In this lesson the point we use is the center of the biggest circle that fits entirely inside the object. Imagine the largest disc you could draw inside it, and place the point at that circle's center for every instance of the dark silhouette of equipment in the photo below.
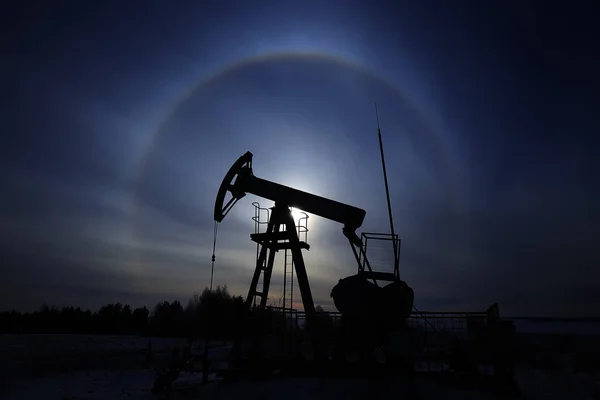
(363, 303)
(240, 181)
(358, 296)
(374, 307)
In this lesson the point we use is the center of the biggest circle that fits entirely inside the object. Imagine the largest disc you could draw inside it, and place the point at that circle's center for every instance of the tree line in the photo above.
(215, 313)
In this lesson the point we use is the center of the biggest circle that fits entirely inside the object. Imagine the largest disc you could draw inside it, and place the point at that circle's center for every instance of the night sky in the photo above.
(119, 120)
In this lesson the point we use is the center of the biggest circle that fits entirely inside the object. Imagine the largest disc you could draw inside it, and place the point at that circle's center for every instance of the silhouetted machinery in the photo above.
(359, 298)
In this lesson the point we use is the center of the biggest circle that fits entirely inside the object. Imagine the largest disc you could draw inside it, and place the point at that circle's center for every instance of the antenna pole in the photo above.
(389, 204)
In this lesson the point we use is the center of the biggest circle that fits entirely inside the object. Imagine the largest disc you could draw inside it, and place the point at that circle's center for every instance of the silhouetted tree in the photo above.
(167, 319)
(217, 310)
(139, 320)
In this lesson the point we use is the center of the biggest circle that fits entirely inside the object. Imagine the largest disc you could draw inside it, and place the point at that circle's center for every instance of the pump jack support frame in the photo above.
(271, 241)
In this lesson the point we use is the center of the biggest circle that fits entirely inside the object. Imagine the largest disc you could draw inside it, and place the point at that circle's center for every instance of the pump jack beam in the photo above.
(240, 181)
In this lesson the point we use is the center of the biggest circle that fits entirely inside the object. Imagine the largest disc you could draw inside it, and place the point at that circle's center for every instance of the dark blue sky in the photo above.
(120, 119)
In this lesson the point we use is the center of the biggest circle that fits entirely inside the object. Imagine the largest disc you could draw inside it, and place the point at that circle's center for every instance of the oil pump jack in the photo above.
(240, 181)
(355, 296)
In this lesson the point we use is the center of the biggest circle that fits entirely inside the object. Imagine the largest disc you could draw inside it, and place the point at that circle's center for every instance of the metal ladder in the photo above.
(260, 226)
(288, 280)
(288, 267)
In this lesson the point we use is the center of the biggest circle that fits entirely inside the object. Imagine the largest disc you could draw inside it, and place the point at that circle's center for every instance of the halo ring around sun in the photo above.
(443, 148)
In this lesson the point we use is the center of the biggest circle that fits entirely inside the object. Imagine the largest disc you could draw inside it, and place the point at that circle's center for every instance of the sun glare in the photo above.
(297, 214)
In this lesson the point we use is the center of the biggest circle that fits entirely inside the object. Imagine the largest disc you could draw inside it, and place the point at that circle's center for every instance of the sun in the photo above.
(297, 214)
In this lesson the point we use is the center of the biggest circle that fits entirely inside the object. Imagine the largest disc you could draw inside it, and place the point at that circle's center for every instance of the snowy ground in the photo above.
(135, 385)
(28, 371)
(80, 366)
(103, 385)
(43, 345)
